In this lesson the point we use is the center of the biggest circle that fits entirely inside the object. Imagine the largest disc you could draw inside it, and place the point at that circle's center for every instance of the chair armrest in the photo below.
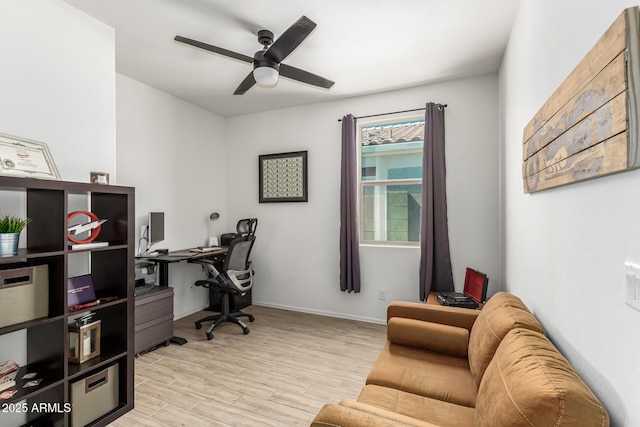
(207, 265)
(204, 283)
(355, 414)
(452, 316)
(241, 278)
(430, 336)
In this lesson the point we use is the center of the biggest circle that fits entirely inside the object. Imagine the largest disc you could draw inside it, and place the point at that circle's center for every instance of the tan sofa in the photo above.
(452, 367)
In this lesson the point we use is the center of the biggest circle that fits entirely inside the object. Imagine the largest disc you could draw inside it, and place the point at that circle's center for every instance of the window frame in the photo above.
(371, 183)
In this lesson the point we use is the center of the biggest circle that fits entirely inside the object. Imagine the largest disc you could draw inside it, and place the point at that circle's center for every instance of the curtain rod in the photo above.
(441, 106)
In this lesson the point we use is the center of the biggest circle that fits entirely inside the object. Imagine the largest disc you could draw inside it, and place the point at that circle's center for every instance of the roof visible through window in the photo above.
(393, 133)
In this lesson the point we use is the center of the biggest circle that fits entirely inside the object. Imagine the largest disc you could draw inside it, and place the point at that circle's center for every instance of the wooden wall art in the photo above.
(589, 126)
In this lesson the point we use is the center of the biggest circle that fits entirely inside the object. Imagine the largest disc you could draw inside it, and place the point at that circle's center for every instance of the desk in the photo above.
(163, 261)
(155, 327)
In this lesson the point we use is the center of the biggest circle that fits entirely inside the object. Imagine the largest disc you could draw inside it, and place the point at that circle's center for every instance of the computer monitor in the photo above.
(156, 228)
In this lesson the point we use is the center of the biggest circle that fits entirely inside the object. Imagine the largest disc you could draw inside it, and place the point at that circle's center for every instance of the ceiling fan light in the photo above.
(265, 76)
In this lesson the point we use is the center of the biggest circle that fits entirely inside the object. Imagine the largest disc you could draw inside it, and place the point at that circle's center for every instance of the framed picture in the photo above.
(283, 177)
(24, 158)
(99, 178)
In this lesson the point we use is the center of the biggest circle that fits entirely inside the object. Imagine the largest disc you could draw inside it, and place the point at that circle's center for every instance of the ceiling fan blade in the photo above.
(246, 84)
(290, 39)
(214, 49)
(304, 76)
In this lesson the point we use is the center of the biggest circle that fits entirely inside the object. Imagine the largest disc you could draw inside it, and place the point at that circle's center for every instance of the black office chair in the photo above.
(244, 227)
(236, 277)
(247, 226)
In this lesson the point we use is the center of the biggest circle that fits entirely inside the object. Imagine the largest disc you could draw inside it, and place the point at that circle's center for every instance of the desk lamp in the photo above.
(213, 239)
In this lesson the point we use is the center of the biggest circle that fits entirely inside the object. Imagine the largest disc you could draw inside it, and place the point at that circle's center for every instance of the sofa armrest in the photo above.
(355, 414)
(452, 316)
(430, 336)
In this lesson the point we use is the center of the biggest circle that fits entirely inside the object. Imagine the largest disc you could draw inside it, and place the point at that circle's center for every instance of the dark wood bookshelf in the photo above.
(47, 203)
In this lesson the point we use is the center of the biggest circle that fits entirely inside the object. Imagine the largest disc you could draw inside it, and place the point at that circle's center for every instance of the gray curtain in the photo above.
(349, 249)
(435, 259)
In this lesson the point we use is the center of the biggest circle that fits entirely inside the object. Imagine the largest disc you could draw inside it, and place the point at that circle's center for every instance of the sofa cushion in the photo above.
(428, 336)
(425, 373)
(502, 313)
(439, 412)
(354, 414)
(529, 383)
(435, 313)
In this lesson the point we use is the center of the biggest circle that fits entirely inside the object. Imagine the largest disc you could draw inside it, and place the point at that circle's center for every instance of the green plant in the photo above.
(13, 223)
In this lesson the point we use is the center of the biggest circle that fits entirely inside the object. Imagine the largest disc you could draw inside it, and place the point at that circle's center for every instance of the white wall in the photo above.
(174, 154)
(565, 248)
(296, 254)
(57, 84)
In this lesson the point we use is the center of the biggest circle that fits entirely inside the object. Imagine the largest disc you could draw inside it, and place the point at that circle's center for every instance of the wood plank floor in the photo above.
(280, 374)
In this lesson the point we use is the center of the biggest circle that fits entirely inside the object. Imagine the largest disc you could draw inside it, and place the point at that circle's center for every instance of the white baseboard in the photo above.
(188, 313)
(322, 313)
(299, 309)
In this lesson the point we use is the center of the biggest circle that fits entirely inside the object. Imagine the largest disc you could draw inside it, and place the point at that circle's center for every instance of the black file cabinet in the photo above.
(236, 301)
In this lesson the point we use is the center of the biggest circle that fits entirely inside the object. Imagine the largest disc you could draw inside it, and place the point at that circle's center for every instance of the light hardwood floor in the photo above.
(280, 374)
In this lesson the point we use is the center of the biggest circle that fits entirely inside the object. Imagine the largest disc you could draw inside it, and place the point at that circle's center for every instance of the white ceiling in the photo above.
(365, 46)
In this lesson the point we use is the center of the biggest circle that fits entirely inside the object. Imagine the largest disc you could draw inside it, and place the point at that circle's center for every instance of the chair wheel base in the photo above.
(245, 331)
(198, 325)
(209, 336)
(251, 318)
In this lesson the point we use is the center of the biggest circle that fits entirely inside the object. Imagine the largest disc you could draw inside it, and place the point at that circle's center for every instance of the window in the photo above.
(391, 182)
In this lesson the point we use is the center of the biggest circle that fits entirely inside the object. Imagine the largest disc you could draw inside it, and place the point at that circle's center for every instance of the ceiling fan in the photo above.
(267, 63)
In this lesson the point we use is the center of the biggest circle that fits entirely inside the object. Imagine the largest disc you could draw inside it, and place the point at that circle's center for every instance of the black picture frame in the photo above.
(283, 177)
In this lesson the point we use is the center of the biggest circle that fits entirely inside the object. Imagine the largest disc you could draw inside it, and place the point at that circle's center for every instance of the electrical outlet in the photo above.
(632, 285)
(382, 294)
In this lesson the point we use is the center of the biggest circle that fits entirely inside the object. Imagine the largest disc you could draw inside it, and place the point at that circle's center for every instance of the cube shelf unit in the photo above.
(112, 268)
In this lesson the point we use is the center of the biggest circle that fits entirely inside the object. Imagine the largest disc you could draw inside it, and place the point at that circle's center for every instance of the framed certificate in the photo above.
(24, 158)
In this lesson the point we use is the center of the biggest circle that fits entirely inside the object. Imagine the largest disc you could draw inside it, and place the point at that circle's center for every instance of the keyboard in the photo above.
(456, 296)
(204, 249)
(456, 300)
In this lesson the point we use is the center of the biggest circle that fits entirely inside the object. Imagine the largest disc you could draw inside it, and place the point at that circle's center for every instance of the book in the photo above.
(80, 290)
(7, 367)
(6, 383)
(90, 245)
(8, 373)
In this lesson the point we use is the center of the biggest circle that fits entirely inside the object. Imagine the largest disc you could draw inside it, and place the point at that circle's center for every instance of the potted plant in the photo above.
(10, 228)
